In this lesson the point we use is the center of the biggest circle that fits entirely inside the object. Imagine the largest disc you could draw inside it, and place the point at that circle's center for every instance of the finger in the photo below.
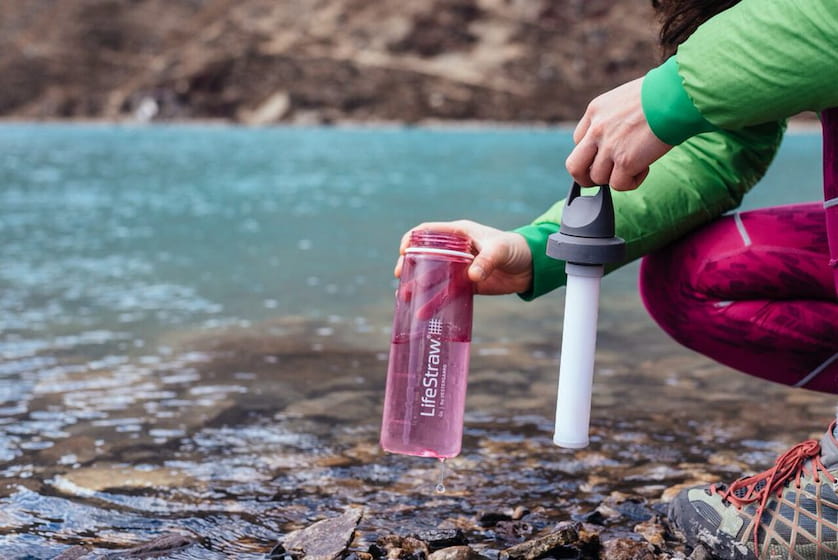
(622, 180)
(397, 272)
(642, 176)
(581, 128)
(579, 162)
(601, 169)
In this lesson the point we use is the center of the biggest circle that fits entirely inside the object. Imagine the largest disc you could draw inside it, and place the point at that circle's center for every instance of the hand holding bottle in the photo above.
(502, 265)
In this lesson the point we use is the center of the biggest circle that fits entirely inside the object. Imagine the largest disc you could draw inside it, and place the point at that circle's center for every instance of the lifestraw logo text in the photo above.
(430, 380)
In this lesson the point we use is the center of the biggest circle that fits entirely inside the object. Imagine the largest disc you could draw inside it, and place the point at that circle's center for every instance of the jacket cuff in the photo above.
(670, 112)
(547, 272)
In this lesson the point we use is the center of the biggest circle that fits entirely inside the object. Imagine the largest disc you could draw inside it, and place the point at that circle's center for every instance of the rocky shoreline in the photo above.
(326, 61)
(511, 535)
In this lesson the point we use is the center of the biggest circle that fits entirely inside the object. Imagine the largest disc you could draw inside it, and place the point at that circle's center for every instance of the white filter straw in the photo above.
(576, 366)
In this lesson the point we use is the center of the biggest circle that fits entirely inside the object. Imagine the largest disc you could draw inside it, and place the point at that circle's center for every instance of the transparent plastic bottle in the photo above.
(429, 352)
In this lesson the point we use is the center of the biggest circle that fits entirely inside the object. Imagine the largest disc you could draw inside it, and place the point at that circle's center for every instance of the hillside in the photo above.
(315, 61)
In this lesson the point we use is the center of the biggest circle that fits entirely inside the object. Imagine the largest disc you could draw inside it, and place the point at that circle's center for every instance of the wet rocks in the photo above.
(437, 544)
(394, 547)
(650, 539)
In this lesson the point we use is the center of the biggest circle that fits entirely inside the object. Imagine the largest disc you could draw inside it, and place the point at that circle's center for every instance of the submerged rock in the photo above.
(159, 547)
(72, 553)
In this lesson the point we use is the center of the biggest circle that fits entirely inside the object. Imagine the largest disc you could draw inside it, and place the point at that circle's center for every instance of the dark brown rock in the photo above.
(326, 539)
(566, 535)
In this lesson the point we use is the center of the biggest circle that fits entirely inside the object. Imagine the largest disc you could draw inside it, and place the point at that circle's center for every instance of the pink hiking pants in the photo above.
(755, 292)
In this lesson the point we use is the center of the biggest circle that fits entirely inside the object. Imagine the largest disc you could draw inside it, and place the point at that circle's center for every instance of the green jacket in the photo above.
(722, 101)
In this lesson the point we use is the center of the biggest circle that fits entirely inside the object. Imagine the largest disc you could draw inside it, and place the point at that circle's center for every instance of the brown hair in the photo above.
(680, 18)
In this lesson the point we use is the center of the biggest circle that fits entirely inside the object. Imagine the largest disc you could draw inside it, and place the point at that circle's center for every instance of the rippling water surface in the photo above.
(194, 326)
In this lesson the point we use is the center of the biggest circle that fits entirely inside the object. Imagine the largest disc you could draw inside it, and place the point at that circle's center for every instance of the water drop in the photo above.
(440, 485)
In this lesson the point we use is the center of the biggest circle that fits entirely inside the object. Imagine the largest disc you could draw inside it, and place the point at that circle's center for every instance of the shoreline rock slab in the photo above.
(327, 539)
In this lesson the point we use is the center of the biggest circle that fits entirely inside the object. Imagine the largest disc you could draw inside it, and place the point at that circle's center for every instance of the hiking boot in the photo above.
(789, 511)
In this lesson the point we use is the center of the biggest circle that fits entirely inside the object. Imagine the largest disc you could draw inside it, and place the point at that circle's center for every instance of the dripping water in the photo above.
(440, 483)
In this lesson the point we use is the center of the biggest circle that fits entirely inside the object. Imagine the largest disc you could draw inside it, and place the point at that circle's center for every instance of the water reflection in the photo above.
(237, 437)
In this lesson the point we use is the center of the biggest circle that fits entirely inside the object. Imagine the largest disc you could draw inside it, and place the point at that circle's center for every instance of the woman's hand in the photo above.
(502, 263)
(614, 144)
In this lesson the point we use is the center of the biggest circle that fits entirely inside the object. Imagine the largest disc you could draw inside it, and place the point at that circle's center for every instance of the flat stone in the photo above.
(455, 553)
(565, 535)
(326, 539)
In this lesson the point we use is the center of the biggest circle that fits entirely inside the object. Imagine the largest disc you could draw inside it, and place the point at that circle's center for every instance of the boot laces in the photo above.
(803, 458)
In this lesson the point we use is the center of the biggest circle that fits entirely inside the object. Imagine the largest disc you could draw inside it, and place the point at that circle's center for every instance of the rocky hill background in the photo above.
(315, 61)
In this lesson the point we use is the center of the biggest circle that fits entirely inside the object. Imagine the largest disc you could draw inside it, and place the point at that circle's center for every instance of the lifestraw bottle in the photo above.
(429, 353)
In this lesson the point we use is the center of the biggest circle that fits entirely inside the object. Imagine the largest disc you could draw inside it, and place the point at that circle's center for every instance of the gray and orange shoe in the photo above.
(789, 511)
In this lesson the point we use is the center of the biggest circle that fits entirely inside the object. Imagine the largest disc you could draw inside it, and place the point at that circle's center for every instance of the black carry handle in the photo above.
(588, 216)
(587, 232)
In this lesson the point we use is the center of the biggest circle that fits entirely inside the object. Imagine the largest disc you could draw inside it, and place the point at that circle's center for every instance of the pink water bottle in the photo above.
(429, 352)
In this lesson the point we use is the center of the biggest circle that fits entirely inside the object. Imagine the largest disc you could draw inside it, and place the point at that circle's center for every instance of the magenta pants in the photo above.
(755, 292)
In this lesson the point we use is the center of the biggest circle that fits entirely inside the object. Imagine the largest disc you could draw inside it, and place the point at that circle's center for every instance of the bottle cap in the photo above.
(586, 234)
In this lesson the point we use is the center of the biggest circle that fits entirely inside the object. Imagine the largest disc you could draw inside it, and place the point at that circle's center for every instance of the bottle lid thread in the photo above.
(439, 240)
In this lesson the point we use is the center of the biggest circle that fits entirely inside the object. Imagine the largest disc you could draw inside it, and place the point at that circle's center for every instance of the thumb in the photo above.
(492, 254)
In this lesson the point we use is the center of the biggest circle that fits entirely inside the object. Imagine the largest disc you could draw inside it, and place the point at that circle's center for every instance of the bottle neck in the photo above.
(443, 243)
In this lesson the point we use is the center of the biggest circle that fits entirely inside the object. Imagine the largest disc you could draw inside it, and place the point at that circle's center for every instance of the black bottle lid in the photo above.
(586, 234)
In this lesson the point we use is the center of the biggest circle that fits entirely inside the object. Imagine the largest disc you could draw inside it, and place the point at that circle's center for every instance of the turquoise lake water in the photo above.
(125, 231)
(128, 255)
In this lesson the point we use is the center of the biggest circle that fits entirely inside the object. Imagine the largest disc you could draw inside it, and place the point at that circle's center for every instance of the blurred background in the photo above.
(318, 61)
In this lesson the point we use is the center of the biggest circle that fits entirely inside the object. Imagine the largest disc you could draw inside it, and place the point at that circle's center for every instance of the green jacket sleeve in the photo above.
(692, 184)
(757, 62)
